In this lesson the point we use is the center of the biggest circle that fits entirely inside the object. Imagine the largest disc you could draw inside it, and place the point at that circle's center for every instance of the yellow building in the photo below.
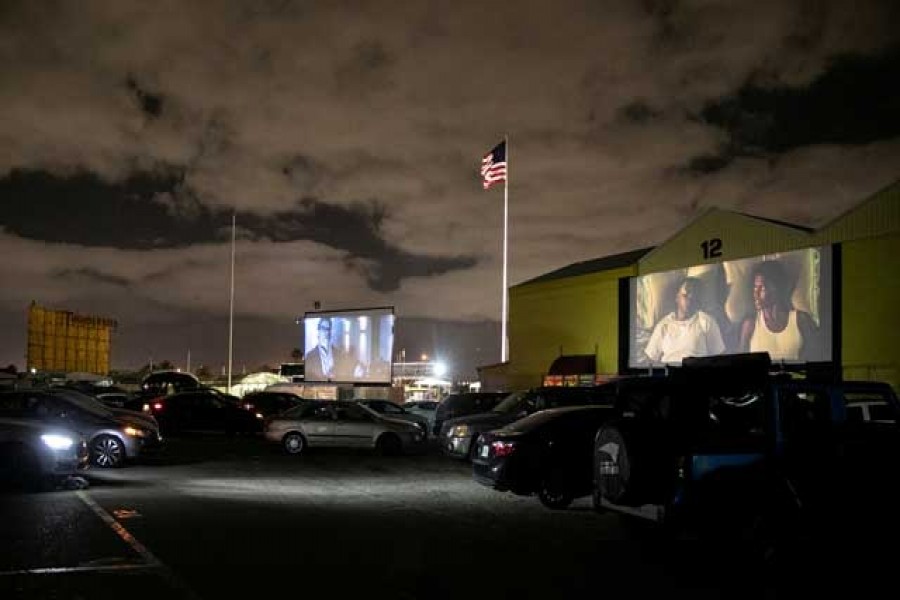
(65, 341)
(603, 313)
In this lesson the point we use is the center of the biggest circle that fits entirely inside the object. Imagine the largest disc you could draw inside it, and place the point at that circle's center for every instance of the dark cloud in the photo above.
(149, 211)
(368, 68)
(151, 104)
(638, 112)
(856, 102)
(89, 276)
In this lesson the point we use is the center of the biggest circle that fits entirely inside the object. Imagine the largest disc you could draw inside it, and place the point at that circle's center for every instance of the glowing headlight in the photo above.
(57, 442)
(459, 431)
(259, 416)
(135, 432)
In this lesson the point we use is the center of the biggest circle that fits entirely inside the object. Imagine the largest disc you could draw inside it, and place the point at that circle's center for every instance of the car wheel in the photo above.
(389, 444)
(552, 491)
(107, 452)
(293, 443)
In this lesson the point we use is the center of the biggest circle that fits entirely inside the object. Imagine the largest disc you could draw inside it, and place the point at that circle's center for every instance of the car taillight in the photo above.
(502, 449)
(158, 406)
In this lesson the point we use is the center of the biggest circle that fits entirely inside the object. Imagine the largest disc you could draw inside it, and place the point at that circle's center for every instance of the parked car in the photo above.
(38, 455)
(423, 408)
(202, 411)
(161, 383)
(395, 411)
(733, 447)
(269, 404)
(324, 423)
(112, 437)
(110, 395)
(458, 435)
(468, 403)
(547, 453)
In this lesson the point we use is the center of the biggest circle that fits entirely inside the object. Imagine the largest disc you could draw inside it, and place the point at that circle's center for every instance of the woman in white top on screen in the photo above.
(777, 328)
(688, 331)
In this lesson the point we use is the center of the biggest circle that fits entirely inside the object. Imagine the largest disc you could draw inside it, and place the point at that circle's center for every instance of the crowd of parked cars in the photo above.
(711, 442)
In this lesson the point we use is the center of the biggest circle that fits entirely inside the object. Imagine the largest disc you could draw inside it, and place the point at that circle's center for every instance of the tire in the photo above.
(107, 452)
(552, 491)
(293, 442)
(389, 444)
(631, 464)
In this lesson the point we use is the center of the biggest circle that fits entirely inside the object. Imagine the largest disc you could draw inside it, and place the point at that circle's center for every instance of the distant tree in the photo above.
(203, 373)
(297, 354)
(265, 369)
(11, 369)
(165, 365)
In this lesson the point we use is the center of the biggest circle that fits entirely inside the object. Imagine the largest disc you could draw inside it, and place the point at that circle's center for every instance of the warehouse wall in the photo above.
(576, 315)
(871, 309)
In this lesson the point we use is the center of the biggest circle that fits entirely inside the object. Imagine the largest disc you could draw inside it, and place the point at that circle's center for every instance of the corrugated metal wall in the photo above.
(577, 315)
(719, 236)
(65, 341)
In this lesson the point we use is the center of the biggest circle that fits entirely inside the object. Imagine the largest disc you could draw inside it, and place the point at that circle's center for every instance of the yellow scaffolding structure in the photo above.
(60, 340)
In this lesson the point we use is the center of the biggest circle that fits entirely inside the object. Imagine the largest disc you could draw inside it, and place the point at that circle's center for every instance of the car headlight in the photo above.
(459, 431)
(259, 416)
(57, 442)
(135, 432)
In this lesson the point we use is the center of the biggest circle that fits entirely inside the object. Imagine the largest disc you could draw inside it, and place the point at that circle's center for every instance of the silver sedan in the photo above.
(340, 424)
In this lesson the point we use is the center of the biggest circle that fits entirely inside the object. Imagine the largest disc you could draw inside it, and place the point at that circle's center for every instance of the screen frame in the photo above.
(380, 312)
(832, 299)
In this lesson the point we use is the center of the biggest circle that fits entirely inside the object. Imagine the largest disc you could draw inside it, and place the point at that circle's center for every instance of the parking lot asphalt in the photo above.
(227, 517)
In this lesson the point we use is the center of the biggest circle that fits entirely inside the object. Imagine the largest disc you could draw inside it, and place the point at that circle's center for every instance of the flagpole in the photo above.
(231, 307)
(504, 351)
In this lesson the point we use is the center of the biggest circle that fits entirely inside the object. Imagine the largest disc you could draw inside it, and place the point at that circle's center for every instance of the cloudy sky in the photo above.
(346, 137)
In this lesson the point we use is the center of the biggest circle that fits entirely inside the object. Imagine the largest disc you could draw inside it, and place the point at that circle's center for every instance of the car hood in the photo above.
(483, 421)
(133, 417)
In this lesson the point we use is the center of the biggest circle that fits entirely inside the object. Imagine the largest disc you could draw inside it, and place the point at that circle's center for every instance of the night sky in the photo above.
(346, 137)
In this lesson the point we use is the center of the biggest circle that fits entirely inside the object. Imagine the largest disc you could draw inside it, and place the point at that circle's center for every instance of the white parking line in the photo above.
(152, 562)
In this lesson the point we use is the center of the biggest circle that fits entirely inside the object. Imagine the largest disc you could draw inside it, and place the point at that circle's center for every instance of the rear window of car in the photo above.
(869, 406)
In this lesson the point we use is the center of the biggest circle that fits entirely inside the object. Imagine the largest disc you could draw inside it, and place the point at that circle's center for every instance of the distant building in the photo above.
(64, 341)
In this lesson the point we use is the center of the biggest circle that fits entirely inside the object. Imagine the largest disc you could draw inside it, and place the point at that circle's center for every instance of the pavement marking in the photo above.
(152, 562)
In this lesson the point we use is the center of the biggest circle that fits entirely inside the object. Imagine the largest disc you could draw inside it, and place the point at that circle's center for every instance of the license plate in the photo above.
(485, 450)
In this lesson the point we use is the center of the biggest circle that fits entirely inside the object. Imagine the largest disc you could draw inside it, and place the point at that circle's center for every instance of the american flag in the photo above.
(493, 166)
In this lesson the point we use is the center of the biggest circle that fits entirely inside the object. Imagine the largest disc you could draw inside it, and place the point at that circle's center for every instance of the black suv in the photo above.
(724, 447)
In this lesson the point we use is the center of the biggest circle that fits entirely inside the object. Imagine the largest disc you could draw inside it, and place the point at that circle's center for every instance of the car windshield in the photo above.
(84, 402)
(511, 403)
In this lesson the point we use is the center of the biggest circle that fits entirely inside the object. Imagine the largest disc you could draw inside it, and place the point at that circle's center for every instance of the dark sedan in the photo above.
(548, 454)
(391, 410)
(270, 404)
(202, 411)
(458, 435)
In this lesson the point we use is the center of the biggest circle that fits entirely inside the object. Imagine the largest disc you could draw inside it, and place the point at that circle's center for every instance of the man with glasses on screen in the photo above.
(321, 362)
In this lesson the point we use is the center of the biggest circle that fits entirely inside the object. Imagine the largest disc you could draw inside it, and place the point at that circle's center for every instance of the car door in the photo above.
(318, 424)
(354, 426)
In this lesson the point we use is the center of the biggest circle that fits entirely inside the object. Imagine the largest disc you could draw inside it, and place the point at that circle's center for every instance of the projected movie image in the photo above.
(349, 346)
(777, 303)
